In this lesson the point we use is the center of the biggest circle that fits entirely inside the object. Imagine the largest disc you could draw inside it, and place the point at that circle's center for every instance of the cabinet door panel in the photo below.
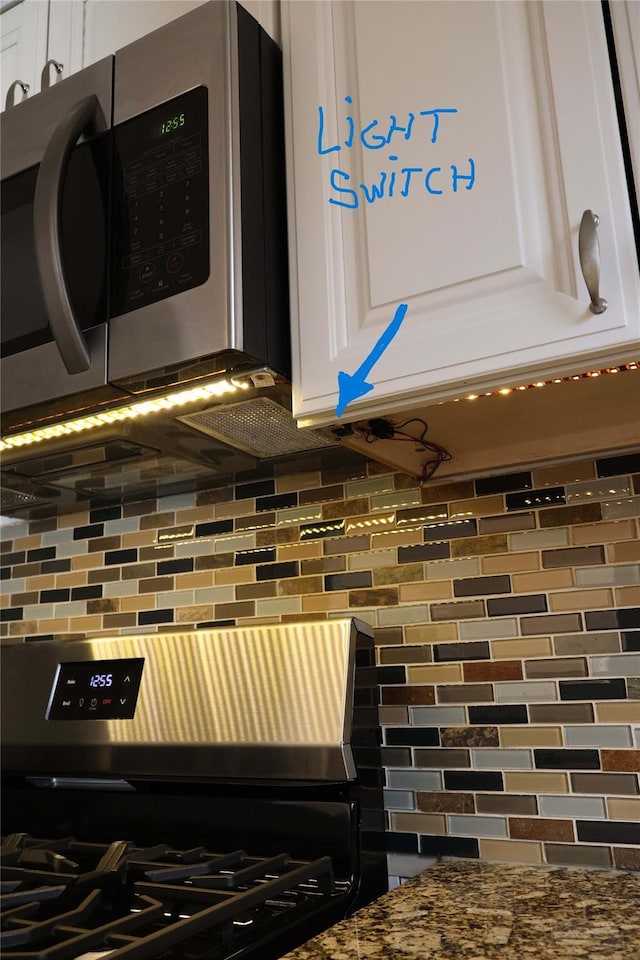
(23, 45)
(442, 156)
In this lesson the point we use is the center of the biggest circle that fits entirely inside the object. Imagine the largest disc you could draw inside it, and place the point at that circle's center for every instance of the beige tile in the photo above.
(430, 633)
(73, 520)
(45, 582)
(418, 823)
(624, 552)
(194, 515)
(393, 715)
(542, 580)
(61, 625)
(523, 736)
(77, 579)
(581, 600)
(511, 563)
(511, 851)
(627, 596)
(86, 624)
(529, 647)
(434, 590)
(27, 543)
(624, 808)
(192, 581)
(328, 601)
(562, 473)
(435, 673)
(300, 551)
(477, 507)
(235, 508)
(141, 538)
(537, 782)
(298, 481)
(246, 573)
(593, 533)
(371, 523)
(614, 712)
(195, 614)
(87, 561)
(133, 604)
(396, 538)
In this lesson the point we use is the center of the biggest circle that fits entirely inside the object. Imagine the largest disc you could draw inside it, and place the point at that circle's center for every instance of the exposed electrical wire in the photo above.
(371, 431)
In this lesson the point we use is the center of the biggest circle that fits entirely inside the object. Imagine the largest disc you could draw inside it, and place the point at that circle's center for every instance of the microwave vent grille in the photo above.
(258, 426)
(10, 499)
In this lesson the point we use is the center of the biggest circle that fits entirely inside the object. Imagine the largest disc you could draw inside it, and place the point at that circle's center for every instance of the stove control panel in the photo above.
(96, 690)
(161, 203)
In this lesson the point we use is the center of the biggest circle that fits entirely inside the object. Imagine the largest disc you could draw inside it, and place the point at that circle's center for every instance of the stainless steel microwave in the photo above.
(143, 216)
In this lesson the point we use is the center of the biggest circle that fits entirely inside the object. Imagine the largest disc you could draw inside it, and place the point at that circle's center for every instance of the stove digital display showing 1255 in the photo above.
(96, 690)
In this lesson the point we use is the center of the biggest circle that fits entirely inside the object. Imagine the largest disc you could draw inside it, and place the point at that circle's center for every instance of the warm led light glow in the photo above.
(178, 398)
(591, 374)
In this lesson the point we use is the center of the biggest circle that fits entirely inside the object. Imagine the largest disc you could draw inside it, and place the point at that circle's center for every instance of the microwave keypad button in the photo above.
(147, 273)
(174, 262)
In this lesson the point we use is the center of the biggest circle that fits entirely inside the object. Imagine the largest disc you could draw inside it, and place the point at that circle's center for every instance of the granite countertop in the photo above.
(469, 910)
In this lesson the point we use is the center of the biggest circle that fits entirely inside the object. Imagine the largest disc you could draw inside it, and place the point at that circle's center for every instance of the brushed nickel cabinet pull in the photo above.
(10, 100)
(589, 253)
(45, 76)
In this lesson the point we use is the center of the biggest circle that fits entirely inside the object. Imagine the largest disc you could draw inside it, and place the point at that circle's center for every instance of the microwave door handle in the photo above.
(84, 116)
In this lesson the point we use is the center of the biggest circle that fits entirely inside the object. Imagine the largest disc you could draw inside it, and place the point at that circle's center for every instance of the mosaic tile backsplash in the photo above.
(506, 613)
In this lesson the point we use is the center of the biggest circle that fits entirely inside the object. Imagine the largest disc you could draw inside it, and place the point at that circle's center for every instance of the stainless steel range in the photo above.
(206, 795)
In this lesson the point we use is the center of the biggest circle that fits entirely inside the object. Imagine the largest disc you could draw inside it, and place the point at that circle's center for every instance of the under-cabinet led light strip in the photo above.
(132, 411)
(590, 375)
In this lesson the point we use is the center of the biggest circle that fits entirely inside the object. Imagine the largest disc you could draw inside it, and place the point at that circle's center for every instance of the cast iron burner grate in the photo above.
(66, 900)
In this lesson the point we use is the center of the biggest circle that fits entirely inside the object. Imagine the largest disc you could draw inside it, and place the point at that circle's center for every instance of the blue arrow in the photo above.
(354, 385)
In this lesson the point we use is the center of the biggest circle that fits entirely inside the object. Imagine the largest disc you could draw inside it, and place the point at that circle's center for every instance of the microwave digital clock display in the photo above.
(174, 123)
(96, 690)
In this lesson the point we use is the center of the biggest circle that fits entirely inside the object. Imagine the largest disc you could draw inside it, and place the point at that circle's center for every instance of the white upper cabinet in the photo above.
(442, 156)
(23, 46)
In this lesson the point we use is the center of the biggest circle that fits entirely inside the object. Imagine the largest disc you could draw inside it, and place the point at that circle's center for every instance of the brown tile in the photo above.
(542, 580)
(578, 855)
(496, 670)
(512, 851)
(233, 575)
(462, 610)
(572, 557)
(552, 623)
(618, 712)
(329, 601)
(508, 523)
(393, 715)
(137, 571)
(445, 802)
(214, 561)
(374, 598)
(511, 563)
(506, 803)
(137, 509)
(119, 620)
(554, 668)
(626, 858)
(105, 576)
(581, 600)
(400, 573)
(530, 828)
(410, 696)
(299, 551)
(388, 636)
(531, 647)
(625, 552)
(624, 808)
(418, 515)
(157, 521)
(561, 713)
(345, 508)
(341, 545)
(195, 614)
(605, 783)
(560, 473)
(627, 596)
(193, 581)
(405, 654)
(320, 494)
(621, 760)
(160, 551)
(429, 591)
(466, 693)
(588, 643)
(567, 516)
(604, 532)
(444, 492)
(537, 781)
(479, 507)
(469, 737)
(296, 586)
(218, 495)
(104, 543)
(418, 823)
(439, 758)
(430, 632)
(103, 606)
(137, 603)
(155, 585)
(22, 628)
(436, 673)
(228, 611)
(479, 546)
(323, 565)
(22, 599)
(255, 521)
(47, 525)
(256, 591)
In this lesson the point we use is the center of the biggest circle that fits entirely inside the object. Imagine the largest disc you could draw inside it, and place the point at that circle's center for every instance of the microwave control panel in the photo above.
(161, 203)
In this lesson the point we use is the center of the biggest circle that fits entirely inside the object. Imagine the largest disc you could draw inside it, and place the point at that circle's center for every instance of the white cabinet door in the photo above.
(66, 34)
(23, 45)
(441, 155)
